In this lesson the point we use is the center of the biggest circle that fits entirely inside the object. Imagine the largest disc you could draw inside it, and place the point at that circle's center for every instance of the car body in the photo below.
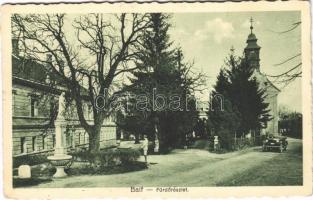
(275, 143)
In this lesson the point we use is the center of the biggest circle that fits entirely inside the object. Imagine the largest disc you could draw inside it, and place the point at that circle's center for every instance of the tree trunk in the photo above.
(94, 140)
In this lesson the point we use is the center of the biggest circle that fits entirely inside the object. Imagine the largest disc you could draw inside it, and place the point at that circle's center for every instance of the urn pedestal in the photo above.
(60, 162)
(60, 159)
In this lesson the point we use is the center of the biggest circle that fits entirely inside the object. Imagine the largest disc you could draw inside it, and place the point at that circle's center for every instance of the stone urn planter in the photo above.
(60, 162)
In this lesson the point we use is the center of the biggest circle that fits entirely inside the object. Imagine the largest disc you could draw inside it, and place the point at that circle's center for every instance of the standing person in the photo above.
(145, 147)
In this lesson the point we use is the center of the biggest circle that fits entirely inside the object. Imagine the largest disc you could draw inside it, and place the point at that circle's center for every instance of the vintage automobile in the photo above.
(275, 142)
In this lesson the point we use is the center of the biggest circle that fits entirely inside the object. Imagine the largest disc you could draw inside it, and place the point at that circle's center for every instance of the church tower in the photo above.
(252, 54)
(252, 50)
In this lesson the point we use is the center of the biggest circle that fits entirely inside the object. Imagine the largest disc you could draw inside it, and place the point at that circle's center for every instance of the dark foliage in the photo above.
(241, 104)
(161, 73)
(247, 96)
(108, 157)
(224, 116)
(34, 159)
(201, 129)
(109, 161)
(117, 169)
(290, 124)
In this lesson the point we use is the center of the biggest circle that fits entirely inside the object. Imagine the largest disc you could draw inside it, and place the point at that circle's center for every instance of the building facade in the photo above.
(252, 53)
(32, 111)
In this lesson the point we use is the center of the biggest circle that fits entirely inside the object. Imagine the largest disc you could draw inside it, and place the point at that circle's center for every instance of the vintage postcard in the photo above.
(157, 100)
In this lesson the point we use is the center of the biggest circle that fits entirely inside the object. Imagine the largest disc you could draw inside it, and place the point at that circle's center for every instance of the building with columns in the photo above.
(252, 53)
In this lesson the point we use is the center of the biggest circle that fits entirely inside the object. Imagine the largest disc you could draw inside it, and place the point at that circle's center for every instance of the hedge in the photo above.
(33, 159)
(108, 157)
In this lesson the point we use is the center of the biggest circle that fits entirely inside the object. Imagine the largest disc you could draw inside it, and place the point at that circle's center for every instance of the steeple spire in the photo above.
(252, 50)
(251, 24)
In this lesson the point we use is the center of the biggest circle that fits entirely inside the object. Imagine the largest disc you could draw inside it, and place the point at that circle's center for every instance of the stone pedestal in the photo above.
(60, 172)
(60, 159)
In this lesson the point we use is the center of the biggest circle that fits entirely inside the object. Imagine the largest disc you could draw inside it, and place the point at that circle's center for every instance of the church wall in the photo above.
(272, 125)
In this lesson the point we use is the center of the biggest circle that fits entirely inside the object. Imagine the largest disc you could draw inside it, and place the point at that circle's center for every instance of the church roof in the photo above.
(251, 37)
(252, 42)
(260, 77)
(264, 81)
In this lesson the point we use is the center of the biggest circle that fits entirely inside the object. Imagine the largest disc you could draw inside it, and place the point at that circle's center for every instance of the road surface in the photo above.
(194, 167)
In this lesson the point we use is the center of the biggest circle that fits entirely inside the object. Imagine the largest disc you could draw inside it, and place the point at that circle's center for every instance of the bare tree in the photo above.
(293, 72)
(90, 61)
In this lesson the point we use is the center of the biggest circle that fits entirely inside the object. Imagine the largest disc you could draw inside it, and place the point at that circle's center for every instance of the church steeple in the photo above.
(251, 24)
(252, 50)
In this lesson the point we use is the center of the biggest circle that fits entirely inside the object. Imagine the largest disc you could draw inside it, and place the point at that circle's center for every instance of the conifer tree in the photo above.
(248, 97)
(223, 115)
(162, 72)
(243, 107)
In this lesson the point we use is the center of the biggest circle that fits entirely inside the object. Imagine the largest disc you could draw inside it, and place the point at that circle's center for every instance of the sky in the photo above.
(206, 40)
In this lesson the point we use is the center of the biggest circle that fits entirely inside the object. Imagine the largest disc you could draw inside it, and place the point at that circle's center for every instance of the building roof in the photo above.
(28, 69)
(264, 81)
(261, 78)
(33, 74)
(252, 42)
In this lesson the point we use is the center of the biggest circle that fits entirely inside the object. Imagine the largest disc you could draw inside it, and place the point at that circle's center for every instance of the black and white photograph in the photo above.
(159, 99)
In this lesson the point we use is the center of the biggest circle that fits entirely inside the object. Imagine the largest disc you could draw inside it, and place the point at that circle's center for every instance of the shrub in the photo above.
(226, 139)
(108, 157)
(117, 169)
(83, 156)
(128, 155)
(201, 144)
(33, 159)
